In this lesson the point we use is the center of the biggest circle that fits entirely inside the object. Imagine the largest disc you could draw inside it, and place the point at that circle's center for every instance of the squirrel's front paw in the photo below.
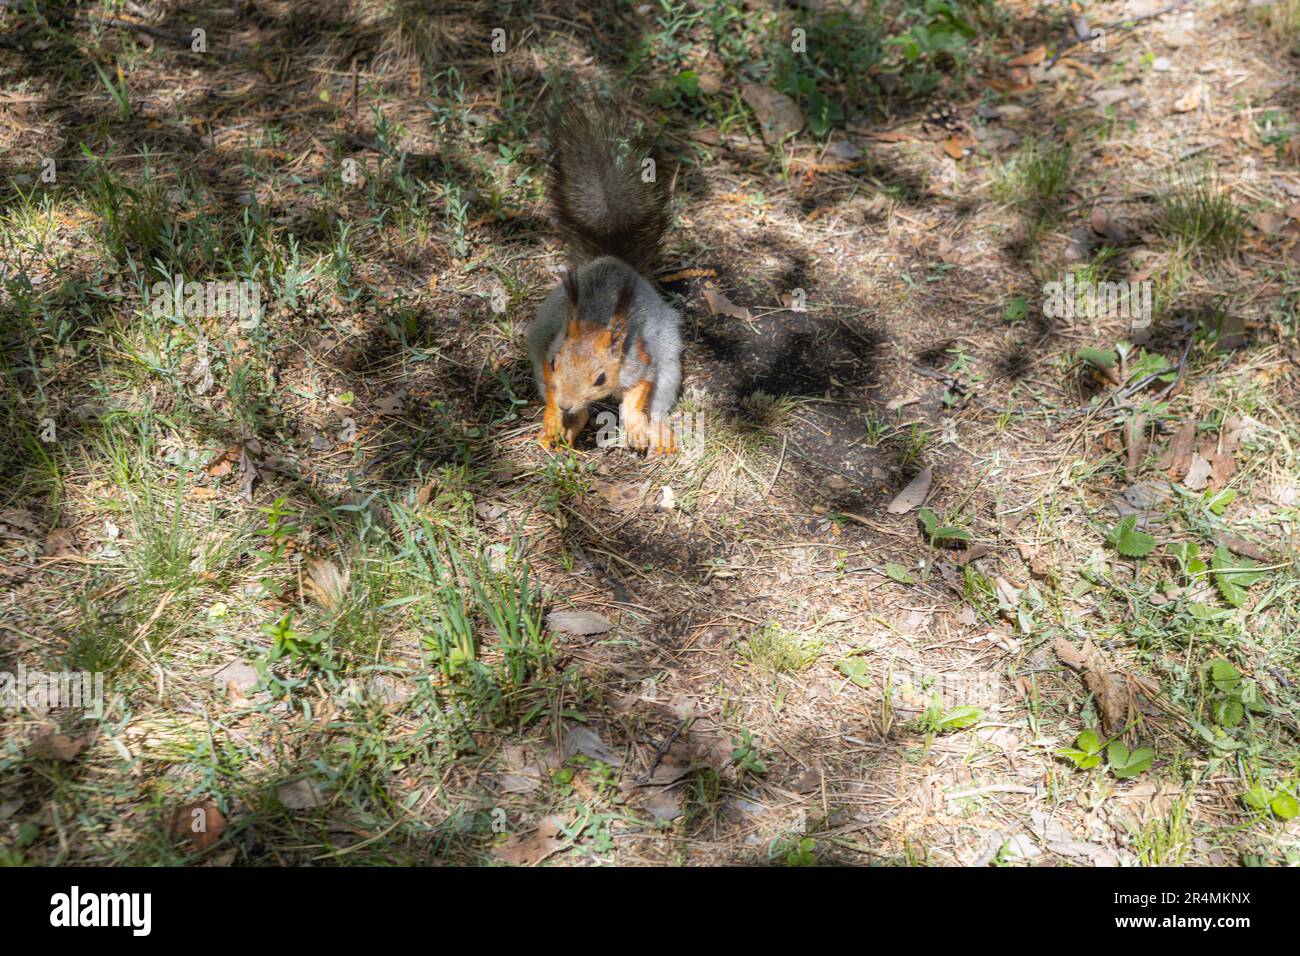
(552, 428)
(638, 432)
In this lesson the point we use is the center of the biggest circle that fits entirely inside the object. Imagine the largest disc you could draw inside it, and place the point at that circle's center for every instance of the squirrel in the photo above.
(604, 332)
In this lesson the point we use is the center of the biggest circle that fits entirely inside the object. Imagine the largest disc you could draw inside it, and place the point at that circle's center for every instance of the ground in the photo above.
(946, 578)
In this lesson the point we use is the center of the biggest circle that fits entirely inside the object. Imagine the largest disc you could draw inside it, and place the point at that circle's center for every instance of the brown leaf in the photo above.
(1222, 467)
(1189, 100)
(325, 584)
(663, 804)
(581, 623)
(914, 494)
(17, 518)
(1244, 548)
(1178, 457)
(200, 823)
(60, 541)
(299, 795)
(536, 847)
(1269, 223)
(621, 495)
(1109, 689)
(1198, 474)
(1103, 225)
(581, 740)
(1032, 58)
(893, 136)
(955, 146)
(1007, 592)
(778, 115)
(393, 404)
(1135, 442)
(223, 464)
(236, 679)
(59, 747)
(719, 304)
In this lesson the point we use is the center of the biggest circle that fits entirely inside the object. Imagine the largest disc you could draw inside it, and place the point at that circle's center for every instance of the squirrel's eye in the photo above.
(552, 364)
(600, 380)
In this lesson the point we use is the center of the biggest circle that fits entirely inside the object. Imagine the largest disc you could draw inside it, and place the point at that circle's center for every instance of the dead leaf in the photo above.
(1110, 96)
(1269, 223)
(580, 623)
(664, 805)
(536, 847)
(200, 823)
(1244, 548)
(299, 795)
(956, 146)
(325, 584)
(59, 747)
(1178, 457)
(1198, 473)
(1110, 689)
(1135, 443)
(426, 492)
(1032, 58)
(913, 496)
(12, 518)
(236, 678)
(1008, 594)
(1222, 467)
(778, 115)
(1103, 225)
(581, 740)
(391, 405)
(621, 495)
(719, 304)
(60, 541)
(893, 136)
(1189, 100)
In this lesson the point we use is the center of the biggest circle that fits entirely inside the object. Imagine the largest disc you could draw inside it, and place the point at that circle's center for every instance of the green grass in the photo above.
(1038, 176)
(775, 649)
(1197, 213)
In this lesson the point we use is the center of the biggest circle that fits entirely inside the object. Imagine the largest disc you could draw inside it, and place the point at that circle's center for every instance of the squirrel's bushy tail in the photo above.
(606, 200)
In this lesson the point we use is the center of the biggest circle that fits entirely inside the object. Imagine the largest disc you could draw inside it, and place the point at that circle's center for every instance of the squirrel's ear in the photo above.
(570, 282)
(618, 322)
